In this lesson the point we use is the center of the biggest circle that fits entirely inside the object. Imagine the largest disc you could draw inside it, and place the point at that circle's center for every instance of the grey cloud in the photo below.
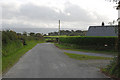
(46, 13)
(77, 13)
(38, 12)
(33, 12)
(8, 11)
(81, 15)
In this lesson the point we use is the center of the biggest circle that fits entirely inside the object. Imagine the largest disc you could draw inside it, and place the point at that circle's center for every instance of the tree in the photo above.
(38, 35)
(24, 33)
(19, 35)
(32, 34)
(118, 58)
(117, 66)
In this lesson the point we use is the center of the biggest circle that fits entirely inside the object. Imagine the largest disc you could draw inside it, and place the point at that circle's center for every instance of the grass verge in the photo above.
(86, 57)
(83, 50)
(9, 61)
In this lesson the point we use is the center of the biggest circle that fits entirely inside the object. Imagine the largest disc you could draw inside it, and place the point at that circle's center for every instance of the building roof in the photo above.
(102, 31)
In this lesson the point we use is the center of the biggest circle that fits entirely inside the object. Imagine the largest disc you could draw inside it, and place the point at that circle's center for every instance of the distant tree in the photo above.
(24, 33)
(72, 30)
(38, 35)
(32, 34)
(68, 33)
(78, 31)
(55, 33)
(45, 35)
(19, 35)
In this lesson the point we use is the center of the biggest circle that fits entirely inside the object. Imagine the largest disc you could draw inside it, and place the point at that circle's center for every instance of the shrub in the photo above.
(10, 42)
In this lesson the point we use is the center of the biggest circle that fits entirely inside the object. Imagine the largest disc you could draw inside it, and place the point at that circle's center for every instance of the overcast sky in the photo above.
(46, 13)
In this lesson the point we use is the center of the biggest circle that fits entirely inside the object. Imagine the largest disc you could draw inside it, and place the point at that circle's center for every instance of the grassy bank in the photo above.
(112, 70)
(73, 48)
(14, 45)
(86, 57)
(10, 60)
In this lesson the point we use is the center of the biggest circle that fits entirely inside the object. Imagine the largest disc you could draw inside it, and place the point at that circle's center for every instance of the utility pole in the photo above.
(59, 27)
(58, 33)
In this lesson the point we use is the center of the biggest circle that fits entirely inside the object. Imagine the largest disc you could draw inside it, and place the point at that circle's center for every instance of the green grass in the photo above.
(72, 48)
(55, 36)
(49, 39)
(86, 57)
(0, 64)
(80, 36)
(10, 60)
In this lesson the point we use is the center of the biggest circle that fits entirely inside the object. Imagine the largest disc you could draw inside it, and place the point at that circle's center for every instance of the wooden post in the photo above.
(59, 33)
(59, 27)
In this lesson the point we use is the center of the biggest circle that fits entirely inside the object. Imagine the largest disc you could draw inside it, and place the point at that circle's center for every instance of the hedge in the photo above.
(90, 41)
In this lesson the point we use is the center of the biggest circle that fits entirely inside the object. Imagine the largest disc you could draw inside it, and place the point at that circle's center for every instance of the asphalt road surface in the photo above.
(47, 61)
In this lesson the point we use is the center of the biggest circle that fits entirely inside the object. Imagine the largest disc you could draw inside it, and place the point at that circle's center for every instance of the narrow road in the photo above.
(47, 61)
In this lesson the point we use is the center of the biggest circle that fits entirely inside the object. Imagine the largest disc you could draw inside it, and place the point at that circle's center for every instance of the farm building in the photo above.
(102, 31)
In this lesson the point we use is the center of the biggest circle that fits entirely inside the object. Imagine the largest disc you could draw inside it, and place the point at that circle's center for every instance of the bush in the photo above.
(112, 69)
(10, 42)
(8, 36)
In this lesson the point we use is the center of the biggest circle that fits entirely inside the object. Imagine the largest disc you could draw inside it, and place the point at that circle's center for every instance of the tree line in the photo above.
(9, 35)
(68, 33)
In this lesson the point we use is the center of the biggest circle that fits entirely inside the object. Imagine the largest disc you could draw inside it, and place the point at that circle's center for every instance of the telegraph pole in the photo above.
(58, 33)
(59, 28)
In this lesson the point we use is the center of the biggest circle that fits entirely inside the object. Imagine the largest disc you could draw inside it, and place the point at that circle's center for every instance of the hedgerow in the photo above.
(98, 42)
